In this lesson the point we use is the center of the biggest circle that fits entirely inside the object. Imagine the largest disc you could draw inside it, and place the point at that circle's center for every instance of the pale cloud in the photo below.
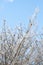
(9, 0)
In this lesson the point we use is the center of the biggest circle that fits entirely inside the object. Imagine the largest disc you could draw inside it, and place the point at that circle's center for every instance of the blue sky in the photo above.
(18, 11)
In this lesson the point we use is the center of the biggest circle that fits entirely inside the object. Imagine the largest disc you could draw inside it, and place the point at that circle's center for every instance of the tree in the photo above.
(21, 49)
